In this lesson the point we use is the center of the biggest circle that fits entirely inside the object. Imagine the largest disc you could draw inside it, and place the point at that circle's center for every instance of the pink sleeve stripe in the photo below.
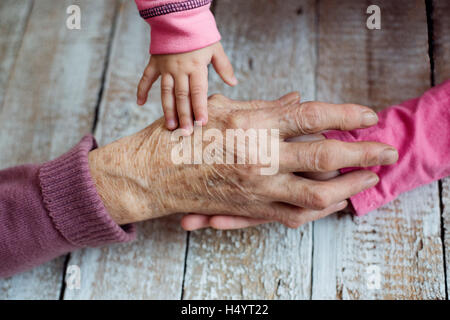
(168, 8)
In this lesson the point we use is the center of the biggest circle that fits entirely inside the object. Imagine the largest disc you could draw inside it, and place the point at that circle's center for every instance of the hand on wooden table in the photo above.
(137, 178)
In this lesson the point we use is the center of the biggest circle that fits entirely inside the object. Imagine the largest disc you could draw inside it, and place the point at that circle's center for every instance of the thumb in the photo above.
(223, 66)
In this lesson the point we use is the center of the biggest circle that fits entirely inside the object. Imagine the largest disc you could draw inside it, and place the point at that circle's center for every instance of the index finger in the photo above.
(314, 117)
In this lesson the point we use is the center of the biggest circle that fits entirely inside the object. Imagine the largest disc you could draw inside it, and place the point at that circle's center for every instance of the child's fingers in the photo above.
(223, 66)
(195, 221)
(183, 102)
(150, 75)
(198, 83)
(234, 222)
(168, 101)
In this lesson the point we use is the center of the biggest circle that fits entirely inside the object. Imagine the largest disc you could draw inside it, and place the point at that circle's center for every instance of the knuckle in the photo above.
(322, 158)
(317, 199)
(234, 121)
(166, 89)
(247, 173)
(308, 118)
(198, 90)
(216, 97)
(196, 62)
(369, 158)
(181, 94)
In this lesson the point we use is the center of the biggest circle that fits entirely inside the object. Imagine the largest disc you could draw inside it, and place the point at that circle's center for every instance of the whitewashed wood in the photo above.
(272, 47)
(13, 20)
(402, 239)
(152, 266)
(441, 52)
(446, 226)
(49, 105)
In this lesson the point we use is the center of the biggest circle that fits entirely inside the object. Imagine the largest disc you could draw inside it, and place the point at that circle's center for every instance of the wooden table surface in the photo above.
(57, 85)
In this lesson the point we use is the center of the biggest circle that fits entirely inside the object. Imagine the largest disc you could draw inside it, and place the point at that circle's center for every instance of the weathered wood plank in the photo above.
(441, 53)
(401, 241)
(272, 47)
(13, 20)
(446, 226)
(152, 266)
(50, 104)
(441, 40)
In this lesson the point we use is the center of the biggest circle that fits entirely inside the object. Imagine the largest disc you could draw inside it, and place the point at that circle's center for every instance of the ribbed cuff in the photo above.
(73, 203)
(184, 31)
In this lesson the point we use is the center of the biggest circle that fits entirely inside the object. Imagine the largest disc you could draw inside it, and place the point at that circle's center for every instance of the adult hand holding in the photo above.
(137, 179)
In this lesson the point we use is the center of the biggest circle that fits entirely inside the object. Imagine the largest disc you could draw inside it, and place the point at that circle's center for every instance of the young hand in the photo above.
(184, 83)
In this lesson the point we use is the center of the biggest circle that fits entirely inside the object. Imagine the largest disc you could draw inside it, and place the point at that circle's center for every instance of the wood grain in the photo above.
(441, 53)
(401, 240)
(152, 266)
(441, 40)
(13, 21)
(49, 105)
(272, 47)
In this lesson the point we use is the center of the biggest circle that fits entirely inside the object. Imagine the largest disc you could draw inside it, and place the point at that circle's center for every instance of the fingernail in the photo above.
(372, 180)
(171, 124)
(234, 80)
(388, 156)
(369, 118)
(341, 205)
(139, 101)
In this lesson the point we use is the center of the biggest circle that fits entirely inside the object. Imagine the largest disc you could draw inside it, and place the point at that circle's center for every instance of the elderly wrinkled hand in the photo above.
(138, 179)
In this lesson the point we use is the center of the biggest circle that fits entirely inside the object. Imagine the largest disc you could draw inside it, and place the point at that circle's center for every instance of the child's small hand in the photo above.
(184, 83)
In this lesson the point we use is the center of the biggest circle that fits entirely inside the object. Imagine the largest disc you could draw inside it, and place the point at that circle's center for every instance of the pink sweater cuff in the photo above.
(72, 201)
(369, 199)
(179, 26)
(420, 130)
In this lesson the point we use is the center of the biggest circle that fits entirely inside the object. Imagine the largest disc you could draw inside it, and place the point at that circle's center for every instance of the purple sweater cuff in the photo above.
(72, 201)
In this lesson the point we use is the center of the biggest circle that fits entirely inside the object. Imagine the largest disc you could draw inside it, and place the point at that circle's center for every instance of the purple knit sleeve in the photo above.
(51, 209)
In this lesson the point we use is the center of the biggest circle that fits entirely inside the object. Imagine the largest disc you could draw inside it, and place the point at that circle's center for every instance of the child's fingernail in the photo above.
(171, 124)
(234, 80)
(139, 101)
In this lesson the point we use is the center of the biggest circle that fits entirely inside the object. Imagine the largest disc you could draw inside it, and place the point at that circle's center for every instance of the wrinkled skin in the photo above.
(137, 180)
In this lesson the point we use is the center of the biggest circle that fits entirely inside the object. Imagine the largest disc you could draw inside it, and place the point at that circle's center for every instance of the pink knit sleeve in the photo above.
(420, 130)
(51, 209)
(179, 25)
